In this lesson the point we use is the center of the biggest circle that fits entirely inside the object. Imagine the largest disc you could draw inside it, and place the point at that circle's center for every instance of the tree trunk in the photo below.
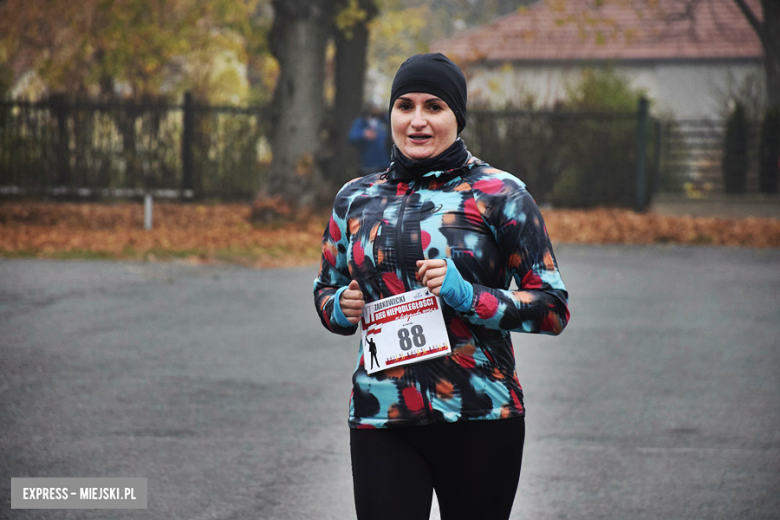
(298, 40)
(350, 67)
(771, 29)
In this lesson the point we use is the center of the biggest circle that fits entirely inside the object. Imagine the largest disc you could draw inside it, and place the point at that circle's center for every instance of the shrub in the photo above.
(599, 159)
(6, 81)
(600, 153)
(735, 153)
(580, 154)
(769, 153)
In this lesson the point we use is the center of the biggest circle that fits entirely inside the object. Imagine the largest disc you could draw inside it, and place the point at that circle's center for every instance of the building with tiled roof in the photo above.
(689, 62)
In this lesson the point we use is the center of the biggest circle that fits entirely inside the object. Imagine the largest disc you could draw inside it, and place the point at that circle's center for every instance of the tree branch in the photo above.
(751, 18)
(769, 43)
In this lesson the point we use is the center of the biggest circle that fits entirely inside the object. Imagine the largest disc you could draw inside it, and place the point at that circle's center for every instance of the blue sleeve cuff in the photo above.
(456, 292)
(338, 314)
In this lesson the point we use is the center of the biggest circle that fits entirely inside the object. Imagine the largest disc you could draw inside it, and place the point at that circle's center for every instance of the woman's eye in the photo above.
(434, 107)
(405, 106)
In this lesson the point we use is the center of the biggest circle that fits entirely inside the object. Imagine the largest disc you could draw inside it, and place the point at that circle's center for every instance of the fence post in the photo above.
(59, 105)
(641, 155)
(188, 132)
(148, 211)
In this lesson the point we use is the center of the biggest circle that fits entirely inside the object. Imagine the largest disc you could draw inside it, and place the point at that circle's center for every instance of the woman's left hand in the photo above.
(431, 273)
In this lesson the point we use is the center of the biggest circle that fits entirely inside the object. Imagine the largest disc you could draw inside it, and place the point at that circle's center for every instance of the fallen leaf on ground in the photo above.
(223, 233)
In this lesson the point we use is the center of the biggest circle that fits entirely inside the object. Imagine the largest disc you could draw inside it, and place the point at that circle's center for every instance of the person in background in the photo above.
(439, 218)
(370, 132)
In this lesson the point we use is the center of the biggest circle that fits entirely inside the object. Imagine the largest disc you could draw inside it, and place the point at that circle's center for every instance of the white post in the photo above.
(148, 211)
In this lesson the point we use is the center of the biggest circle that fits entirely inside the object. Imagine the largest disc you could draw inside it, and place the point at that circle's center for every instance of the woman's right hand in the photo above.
(352, 302)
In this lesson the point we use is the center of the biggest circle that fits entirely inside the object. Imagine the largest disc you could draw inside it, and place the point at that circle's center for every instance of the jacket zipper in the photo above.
(399, 239)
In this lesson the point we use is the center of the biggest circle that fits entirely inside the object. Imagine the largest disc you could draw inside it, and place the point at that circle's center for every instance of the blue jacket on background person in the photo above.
(370, 133)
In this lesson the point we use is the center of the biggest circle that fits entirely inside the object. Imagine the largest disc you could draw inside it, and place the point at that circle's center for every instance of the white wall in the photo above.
(702, 91)
(684, 89)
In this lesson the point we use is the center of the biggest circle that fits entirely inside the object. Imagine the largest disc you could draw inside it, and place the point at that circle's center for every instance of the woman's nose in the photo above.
(417, 119)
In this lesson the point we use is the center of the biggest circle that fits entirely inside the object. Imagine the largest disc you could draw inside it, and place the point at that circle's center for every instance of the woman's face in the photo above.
(423, 125)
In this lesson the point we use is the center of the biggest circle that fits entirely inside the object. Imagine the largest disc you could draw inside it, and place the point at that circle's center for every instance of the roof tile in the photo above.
(567, 30)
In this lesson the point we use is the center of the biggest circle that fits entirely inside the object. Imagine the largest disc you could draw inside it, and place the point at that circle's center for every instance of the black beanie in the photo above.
(433, 74)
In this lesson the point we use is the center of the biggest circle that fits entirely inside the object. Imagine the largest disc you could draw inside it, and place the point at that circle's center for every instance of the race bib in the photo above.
(403, 329)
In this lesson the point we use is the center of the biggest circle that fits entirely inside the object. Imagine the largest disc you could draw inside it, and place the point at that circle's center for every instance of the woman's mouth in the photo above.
(419, 138)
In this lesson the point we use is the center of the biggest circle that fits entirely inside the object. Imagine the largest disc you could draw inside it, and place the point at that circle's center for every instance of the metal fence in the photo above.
(693, 152)
(189, 151)
(99, 149)
(572, 159)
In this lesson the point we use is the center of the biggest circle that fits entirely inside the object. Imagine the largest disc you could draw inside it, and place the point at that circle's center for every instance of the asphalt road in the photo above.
(661, 400)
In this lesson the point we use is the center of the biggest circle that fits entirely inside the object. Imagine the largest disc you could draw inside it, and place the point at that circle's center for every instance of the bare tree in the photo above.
(768, 31)
(766, 27)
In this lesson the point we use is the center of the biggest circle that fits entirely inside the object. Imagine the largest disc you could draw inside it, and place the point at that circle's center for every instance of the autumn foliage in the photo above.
(620, 226)
(223, 233)
(189, 232)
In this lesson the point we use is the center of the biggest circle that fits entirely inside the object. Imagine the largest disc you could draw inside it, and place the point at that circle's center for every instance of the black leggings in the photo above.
(474, 466)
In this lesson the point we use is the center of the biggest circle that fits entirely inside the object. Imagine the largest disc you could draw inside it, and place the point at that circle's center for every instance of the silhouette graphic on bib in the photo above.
(372, 350)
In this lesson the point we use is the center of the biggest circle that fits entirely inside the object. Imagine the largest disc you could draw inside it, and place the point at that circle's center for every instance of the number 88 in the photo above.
(417, 337)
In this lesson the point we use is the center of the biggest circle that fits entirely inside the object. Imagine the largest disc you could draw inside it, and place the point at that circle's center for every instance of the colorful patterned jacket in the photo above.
(488, 224)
